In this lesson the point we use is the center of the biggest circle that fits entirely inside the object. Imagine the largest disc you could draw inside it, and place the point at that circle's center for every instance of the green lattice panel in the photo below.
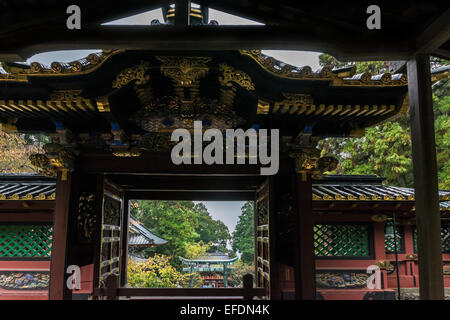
(341, 240)
(445, 238)
(389, 242)
(25, 241)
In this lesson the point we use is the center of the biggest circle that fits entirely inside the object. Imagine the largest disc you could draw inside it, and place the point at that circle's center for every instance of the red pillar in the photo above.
(305, 283)
(378, 237)
(60, 236)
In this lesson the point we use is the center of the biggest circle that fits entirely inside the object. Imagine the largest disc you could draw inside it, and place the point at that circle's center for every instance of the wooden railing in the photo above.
(112, 292)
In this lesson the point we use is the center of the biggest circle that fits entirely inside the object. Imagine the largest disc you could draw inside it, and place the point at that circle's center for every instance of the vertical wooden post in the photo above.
(378, 237)
(248, 286)
(305, 283)
(275, 293)
(98, 229)
(111, 287)
(182, 11)
(124, 244)
(425, 179)
(57, 290)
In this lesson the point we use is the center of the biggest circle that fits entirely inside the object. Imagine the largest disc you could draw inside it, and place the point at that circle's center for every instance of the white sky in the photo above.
(226, 211)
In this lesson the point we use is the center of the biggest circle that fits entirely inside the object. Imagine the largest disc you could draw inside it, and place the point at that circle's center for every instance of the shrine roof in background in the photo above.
(366, 193)
(140, 236)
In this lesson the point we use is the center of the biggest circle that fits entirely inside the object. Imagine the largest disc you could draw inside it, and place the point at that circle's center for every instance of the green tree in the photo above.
(385, 150)
(239, 270)
(15, 150)
(195, 250)
(182, 224)
(243, 236)
(175, 221)
(211, 231)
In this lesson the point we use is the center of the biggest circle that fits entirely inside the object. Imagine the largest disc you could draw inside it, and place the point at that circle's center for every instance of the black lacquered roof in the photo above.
(363, 188)
(140, 236)
(26, 187)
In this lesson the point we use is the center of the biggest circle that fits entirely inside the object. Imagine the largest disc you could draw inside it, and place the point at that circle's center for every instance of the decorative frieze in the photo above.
(341, 279)
(24, 280)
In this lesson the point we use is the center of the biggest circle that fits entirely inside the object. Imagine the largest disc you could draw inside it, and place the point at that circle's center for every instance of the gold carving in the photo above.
(103, 104)
(56, 158)
(128, 153)
(184, 70)
(295, 103)
(384, 264)
(263, 107)
(65, 94)
(379, 218)
(309, 160)
(229, 75)
(134, 73)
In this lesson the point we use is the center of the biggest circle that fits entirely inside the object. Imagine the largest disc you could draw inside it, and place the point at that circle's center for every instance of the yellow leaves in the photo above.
(195, 250)
(14, 153)
(156, 272)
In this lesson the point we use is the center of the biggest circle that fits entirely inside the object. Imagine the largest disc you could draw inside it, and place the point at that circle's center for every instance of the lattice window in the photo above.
(445, 238)
(25, 241)
(342, 240)
(390, 242)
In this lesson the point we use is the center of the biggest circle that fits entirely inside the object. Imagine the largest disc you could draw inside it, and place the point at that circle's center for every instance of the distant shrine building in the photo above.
(110, 116)
(214, 269)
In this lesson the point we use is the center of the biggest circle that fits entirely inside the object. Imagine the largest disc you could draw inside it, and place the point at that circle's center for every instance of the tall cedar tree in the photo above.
(385, 149)
(243, 235)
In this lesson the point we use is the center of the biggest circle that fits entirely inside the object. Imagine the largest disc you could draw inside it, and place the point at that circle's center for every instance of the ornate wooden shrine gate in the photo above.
(110, 116)
(111, 235)
(424, 31)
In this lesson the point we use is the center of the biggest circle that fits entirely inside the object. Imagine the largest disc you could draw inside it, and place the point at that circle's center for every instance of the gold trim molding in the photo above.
(286, 71)
(83, 66)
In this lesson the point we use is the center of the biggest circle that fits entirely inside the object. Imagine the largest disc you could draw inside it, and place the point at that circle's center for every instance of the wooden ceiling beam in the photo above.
(435, 35)
(304, 37)
(190, 195)
(223, 184)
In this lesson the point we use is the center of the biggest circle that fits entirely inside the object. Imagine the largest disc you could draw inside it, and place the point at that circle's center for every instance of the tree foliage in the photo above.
(188, 228)
(243, 236)
(385, 150)
(15, 150)
(211, 231)
(197, 249)
(240, 269)
(156, 272)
